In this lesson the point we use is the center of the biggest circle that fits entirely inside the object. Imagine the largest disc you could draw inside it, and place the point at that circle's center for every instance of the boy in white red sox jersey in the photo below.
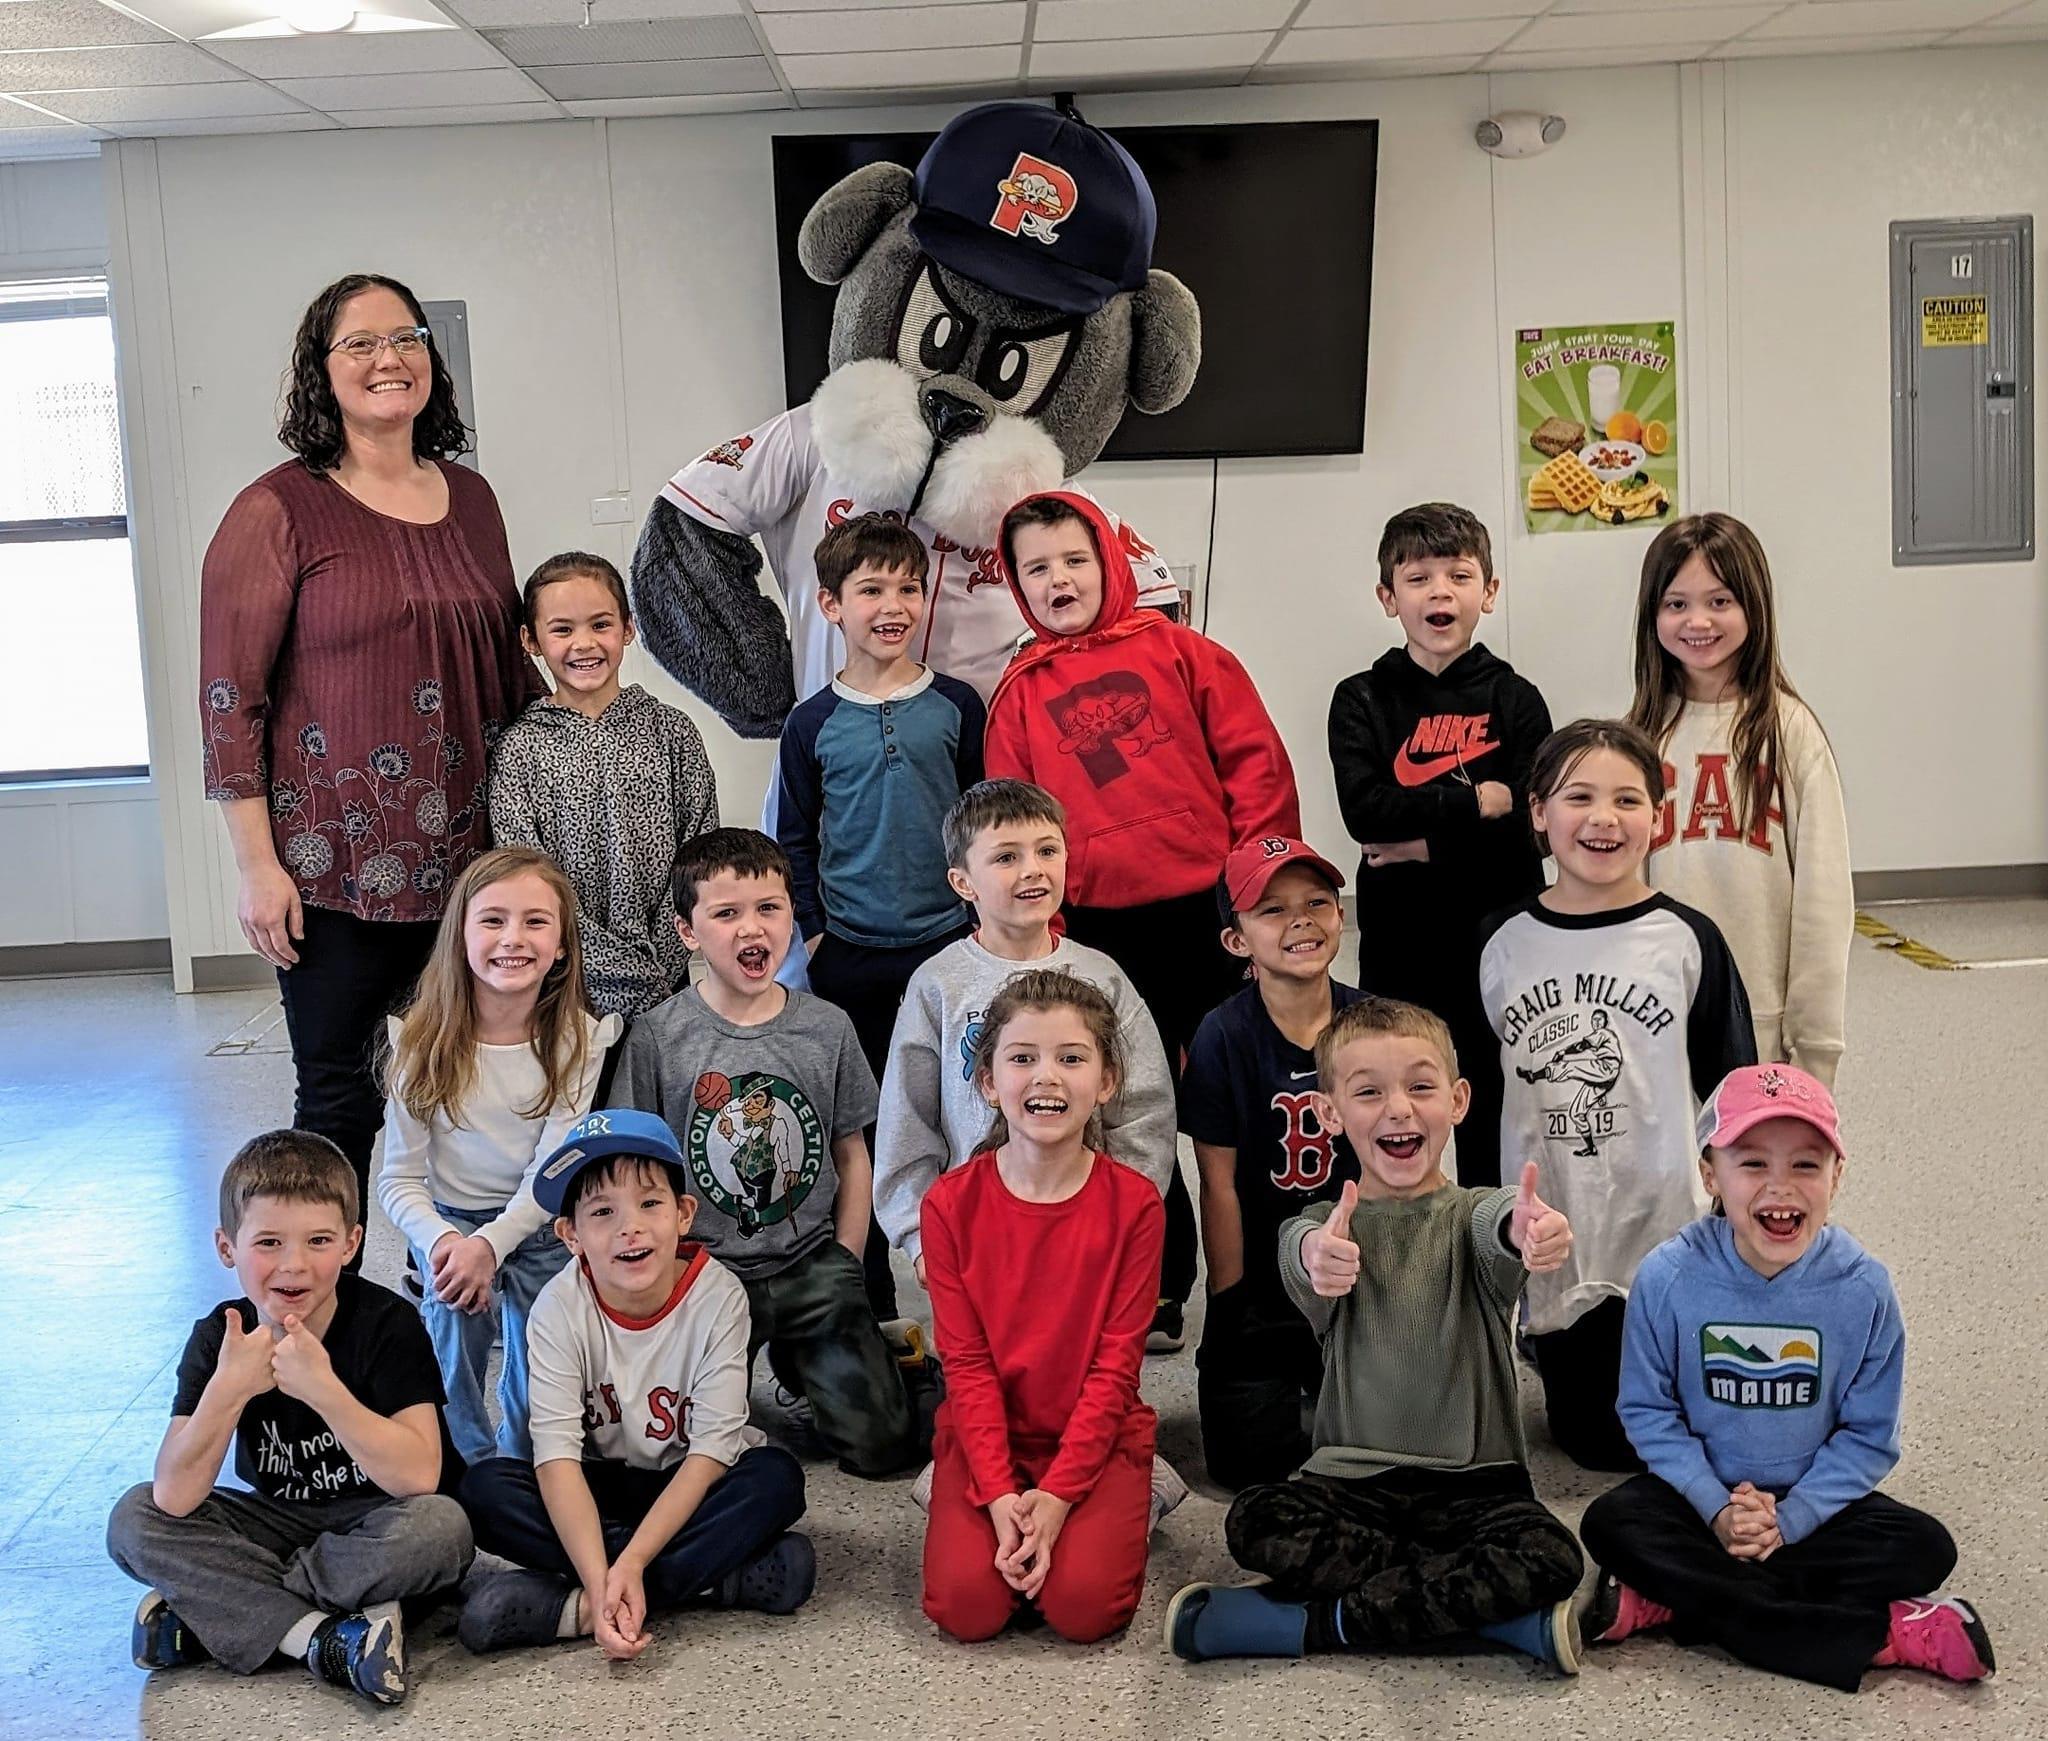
(648, 1489)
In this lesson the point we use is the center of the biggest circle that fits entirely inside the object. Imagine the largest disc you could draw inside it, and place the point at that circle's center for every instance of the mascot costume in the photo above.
(997, 310)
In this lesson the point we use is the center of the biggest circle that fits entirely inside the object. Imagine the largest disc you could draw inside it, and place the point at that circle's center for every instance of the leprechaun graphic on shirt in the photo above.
(755, 1147)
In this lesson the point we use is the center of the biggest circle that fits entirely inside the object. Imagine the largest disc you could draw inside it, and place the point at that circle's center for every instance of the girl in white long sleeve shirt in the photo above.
(493, 1060)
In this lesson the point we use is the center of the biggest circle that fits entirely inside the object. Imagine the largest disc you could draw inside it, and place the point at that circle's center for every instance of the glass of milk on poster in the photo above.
(1603, 394)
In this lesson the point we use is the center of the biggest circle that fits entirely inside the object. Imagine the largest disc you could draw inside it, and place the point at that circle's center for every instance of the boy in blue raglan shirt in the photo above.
(1762, 1366)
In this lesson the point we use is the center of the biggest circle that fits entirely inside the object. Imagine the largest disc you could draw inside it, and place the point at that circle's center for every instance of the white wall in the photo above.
(621, 285)
(84, 862)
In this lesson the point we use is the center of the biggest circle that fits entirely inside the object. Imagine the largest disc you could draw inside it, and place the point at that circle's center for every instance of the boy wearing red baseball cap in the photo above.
(1263, 1154)
(1761, 1373)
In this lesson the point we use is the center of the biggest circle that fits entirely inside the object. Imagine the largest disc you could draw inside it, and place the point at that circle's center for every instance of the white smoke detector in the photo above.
(1518, 133)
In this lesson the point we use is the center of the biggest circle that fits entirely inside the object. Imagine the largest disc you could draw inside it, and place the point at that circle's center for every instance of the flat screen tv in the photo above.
(1270, 224)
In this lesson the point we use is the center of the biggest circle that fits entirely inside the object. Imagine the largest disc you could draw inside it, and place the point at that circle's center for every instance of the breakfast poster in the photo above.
(1596, 421)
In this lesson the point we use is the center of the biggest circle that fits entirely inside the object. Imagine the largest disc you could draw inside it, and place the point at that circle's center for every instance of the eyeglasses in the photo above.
(363, 347)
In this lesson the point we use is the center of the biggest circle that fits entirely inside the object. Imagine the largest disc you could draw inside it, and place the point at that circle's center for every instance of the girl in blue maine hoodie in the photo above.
(1762, 1364)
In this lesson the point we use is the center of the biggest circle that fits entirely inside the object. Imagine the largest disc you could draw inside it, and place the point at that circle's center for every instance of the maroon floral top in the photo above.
(356, 670)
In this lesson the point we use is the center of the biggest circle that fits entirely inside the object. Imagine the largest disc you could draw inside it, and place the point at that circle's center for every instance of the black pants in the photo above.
(1258, 1369)
(1411, 1555)
(868, 984)
(1443, 977)
(1173, 953)
(758, 1498)
(1580, 1366)
(352, 973)
(1817, 1610)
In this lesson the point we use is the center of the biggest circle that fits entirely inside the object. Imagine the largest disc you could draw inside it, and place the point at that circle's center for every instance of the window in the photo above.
(71, 707)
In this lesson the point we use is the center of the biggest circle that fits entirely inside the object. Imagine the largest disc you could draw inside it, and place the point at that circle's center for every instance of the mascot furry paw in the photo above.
(997, 310)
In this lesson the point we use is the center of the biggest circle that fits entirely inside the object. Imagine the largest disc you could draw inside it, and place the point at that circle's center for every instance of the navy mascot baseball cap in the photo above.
(597, 1136)
(1035, 204)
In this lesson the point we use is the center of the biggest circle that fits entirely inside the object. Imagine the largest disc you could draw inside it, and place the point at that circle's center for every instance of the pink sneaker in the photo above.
(1615, 1611)
(1941, 1635)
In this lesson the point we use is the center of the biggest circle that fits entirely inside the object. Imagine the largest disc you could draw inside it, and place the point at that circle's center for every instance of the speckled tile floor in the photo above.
(115, 1122)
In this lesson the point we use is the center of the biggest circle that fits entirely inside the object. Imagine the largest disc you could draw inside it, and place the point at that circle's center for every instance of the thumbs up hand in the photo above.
(1540, 1233)
(301, 1364)
(1329, 1253)
(243, 1364)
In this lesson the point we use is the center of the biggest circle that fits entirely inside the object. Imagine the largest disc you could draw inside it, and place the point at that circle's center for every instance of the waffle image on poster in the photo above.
(1605, 396)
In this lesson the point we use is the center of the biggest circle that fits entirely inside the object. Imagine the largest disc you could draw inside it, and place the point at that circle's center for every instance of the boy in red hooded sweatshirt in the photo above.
(1155, 740)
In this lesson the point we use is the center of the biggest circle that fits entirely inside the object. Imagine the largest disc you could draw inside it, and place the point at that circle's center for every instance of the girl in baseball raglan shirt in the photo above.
(1617, 1010)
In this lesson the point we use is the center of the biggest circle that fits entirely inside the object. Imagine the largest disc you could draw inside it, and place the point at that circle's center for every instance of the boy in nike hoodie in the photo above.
(1156, 743)
(1431, 749)
(1762, 1366)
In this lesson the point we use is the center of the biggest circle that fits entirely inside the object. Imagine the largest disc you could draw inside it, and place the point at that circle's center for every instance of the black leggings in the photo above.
(1580, 1366)
(1173, 953)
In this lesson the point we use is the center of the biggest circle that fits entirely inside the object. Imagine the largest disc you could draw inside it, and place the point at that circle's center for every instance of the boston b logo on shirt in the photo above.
(1760, 1366)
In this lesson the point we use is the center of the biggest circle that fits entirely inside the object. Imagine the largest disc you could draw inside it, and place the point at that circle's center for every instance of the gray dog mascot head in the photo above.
(997, 310)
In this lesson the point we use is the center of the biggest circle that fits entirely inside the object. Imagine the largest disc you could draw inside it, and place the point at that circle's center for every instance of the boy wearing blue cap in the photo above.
(648, 1489)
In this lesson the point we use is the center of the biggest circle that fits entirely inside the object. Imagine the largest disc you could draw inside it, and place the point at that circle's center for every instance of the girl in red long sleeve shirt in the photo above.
(1042, 1258)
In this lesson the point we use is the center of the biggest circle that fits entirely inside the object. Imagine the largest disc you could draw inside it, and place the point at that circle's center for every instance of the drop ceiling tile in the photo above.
(1148, 56)
(602, 44)
(16, 116)
(1323, 13)
(1112, 20)
(1763, 47)
(1392, 42)
(728, 104)
(497, 13)
(1637, 5)
(345, 55)
(71, 24)
(1874, 17)
(452, 115)
(852, 5)
(912, 27)
(91, 69)
(1645, 29)
(168, 103)
(904, 70)
(19, 144)
(413, 90)
(1309, 72)
(296, 122)
(655, 78)
(1518, 59)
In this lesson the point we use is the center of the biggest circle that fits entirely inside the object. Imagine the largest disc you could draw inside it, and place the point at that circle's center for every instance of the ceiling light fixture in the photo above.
(317, 17)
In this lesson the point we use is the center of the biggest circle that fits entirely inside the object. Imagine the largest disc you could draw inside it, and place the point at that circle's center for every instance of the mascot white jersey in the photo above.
(996, 313)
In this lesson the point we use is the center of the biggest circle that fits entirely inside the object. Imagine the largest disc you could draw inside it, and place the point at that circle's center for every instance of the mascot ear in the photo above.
(848, 217)
(1166, 342)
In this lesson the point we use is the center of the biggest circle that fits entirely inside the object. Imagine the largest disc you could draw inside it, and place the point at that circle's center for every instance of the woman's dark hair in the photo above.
(311, 424)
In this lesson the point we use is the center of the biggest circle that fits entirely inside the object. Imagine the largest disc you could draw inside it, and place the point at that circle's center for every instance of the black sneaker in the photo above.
(777, 1580)
(160, 1639)
(512, 1610)
(1169, 1334)
(362, 1652)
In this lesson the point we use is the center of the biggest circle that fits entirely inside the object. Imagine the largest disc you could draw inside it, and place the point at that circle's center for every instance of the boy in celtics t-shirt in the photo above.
(1248, 1104)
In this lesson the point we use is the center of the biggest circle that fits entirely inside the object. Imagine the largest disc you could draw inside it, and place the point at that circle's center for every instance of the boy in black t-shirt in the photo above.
(329, 1389)
(1247, 1101)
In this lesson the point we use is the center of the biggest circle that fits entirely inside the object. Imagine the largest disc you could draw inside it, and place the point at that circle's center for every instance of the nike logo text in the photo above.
(1440, 743)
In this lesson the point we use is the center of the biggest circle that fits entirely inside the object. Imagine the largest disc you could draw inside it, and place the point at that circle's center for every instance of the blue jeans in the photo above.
(462, 1340)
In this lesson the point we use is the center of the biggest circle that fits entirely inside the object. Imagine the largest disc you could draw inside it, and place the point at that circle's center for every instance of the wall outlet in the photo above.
(610, 510)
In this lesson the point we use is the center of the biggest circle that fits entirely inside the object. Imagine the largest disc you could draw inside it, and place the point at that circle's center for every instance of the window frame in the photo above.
(69, 527)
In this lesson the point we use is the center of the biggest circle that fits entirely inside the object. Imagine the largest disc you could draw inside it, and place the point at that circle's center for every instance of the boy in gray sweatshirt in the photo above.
(1006, 848)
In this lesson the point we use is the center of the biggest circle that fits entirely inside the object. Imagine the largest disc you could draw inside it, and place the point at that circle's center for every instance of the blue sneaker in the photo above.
(1550, 1635)
(160, 1639)
(1205, 1621)
(364, 1652)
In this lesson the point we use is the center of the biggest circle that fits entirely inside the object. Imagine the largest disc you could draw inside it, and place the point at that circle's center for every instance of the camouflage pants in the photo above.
(823, 1341)
(1411, 1555)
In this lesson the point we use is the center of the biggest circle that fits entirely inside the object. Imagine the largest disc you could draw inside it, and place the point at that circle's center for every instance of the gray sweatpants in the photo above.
(242, 1570)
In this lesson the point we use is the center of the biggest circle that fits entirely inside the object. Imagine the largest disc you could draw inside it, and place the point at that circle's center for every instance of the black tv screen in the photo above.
(1270, 225)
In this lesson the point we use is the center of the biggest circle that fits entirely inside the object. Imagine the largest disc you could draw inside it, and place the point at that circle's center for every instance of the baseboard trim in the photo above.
(77, 960)
(238, 972)
(1980, 882)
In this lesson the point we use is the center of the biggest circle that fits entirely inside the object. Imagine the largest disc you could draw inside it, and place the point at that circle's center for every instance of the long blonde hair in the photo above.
(1049, 988)
(1735, 556)
(432, 1067)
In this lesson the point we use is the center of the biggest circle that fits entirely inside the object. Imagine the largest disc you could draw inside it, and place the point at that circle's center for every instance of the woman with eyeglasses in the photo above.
(358, 654)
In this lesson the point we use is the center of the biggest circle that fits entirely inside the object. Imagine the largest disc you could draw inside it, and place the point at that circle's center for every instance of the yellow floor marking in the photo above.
(1907, 948)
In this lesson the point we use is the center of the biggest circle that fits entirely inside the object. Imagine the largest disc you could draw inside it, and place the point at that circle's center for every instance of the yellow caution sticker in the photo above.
(1954, 320)
(1907, 948)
